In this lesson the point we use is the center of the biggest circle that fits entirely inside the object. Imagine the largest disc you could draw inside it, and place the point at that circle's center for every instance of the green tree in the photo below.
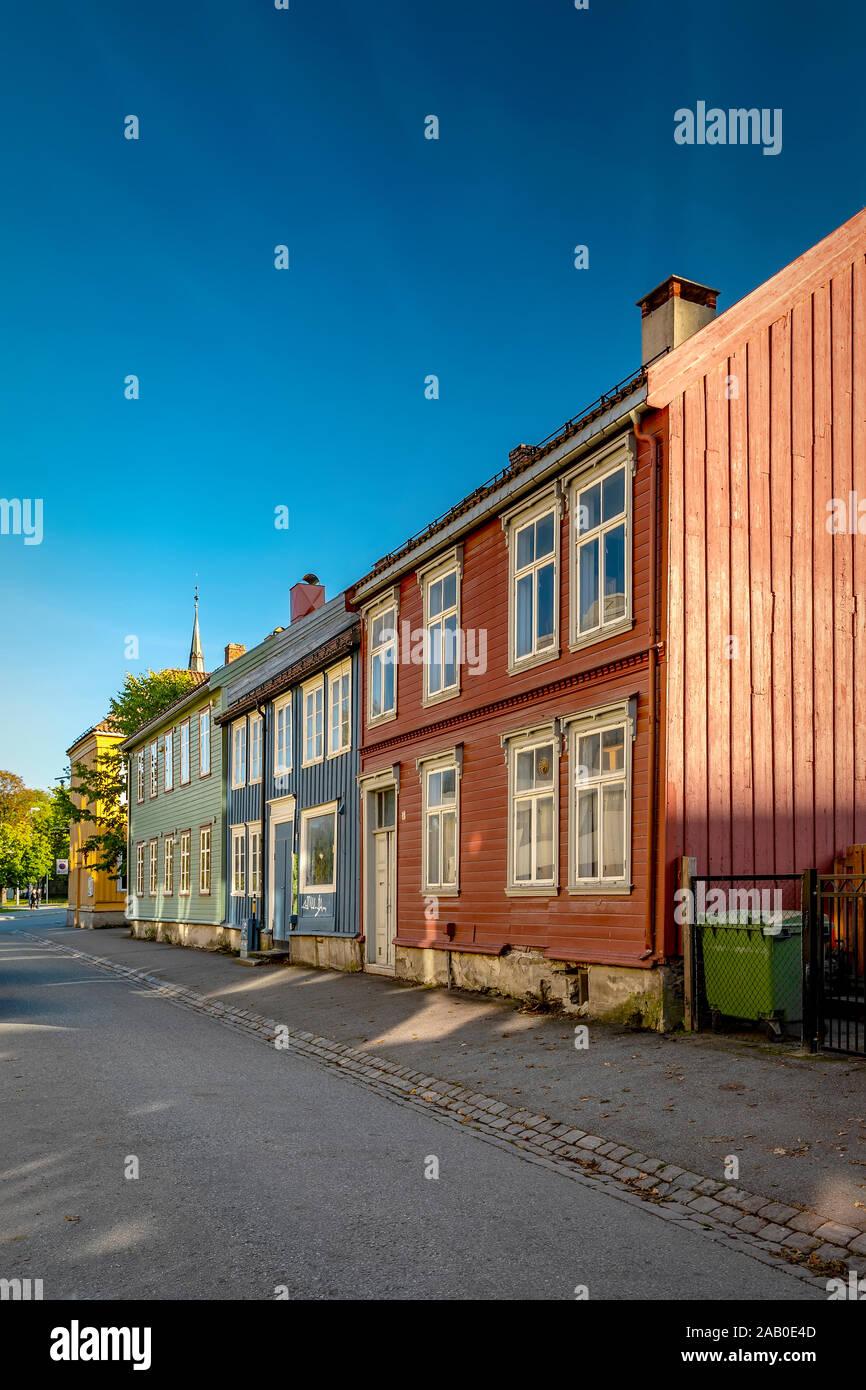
(15, 841)
(97, 792)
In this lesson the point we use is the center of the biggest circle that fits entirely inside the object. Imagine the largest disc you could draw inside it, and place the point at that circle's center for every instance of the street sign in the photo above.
(62, 866)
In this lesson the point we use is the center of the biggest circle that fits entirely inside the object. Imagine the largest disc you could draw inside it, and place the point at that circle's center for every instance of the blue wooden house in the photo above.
(292, 724)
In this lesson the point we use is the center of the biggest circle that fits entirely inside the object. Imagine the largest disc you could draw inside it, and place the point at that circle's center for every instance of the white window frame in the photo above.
(612, 462)
(238, 865)
(312, 687)
(522, 741)
(378, 609)
(139, 869)
(282, 716)
(185, 743)
(255, 722)
(311, 812)
(168, 866)
(428, 767)
(336, 700)
(185, 842)
(154, 769)
(205, 722)
(254, 859)
(427, 576)
(139, 772)
(205, 859)
(512, 522)
(153, 869)
(168, 761)
(239, 736)
(622, 714)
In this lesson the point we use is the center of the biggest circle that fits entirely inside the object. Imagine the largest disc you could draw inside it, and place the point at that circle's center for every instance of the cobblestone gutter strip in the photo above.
(802, 1242)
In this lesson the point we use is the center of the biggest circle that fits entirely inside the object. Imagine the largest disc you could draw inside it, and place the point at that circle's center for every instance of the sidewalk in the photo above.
(796, 1123)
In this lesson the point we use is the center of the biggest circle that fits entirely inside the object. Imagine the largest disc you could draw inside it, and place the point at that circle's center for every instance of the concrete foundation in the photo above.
(91, 918)
(617, 994)
(327, 952)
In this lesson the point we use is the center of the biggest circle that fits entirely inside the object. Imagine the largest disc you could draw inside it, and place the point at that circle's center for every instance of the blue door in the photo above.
(282, 880)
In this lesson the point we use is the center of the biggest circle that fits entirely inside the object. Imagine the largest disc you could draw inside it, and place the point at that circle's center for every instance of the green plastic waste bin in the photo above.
(753, 969)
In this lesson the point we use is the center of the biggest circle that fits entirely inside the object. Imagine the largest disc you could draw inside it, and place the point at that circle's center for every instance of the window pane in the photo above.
(614, 573)
(376, 702)
(589, 509)
(544, 765)
(449, 847)
(544, 834)
(449, 656)
(377, 636)
(433, 849)
(544, 536)
(435, 600)
(613, 495)
(435, 658)
(587, 861)
(525, 546)
(448, 776)
(386, 808)
(320, 851)
(388, 698)
(544, 607)
(613, 838)
(587, 754)
(613, 746)
(434, 789)
(524, 615)
(523, 843)
(449, 590)
(523, 781)
(588, 582)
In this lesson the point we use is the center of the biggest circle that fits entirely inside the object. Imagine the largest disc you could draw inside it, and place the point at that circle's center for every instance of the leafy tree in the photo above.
(15, 799)
(15, 841)
(97, 791)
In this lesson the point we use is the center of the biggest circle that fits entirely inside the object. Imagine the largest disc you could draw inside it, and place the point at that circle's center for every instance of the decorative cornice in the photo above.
(335, 647)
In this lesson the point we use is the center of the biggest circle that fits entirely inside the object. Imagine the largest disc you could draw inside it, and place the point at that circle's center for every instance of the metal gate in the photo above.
(834, 989)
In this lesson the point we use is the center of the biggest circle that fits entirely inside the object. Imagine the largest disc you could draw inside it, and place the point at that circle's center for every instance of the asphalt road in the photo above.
(259, 1170)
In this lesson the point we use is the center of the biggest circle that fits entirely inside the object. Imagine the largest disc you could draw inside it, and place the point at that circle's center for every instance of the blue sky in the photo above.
(408, 257)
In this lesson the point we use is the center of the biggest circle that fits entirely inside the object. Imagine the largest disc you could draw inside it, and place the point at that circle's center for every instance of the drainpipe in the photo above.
(652, 798)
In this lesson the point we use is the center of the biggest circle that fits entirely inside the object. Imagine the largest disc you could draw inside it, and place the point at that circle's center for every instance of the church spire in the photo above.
(196, 658)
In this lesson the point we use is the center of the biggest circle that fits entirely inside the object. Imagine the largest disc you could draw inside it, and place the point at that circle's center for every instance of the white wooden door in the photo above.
(384, 897)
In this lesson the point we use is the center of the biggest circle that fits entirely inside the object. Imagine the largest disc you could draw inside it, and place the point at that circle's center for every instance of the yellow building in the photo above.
(95, 899)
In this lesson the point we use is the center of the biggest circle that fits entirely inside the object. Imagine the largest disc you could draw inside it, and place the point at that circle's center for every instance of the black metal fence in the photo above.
(746, 957)
(834, 955)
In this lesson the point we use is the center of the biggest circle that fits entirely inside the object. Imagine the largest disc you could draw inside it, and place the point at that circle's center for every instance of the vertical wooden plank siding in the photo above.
(766, 753)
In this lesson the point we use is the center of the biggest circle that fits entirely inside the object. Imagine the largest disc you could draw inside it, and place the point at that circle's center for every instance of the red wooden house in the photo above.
(553, 710)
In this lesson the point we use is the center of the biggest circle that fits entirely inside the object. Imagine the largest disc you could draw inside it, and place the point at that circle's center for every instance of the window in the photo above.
(168, 865)
(441, 588)
(532, 803)
(600, 802)
(154, 768)
(139, 766)
(382, 626)
(139, 870)
(533, 551)
(340, 709)
(168, 768)
(183, 887)
(601, 571)
(319, 849)
(255, 860)
(239, 753)
(204, 851)
(255, 748)
(184, 753)
(440, 784)
(313, 696)
(239, 861)
(282, 735)
(154, 868)
(204, 742)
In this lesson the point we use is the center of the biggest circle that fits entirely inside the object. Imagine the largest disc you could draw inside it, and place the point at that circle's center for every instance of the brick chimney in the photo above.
(672, 312)
(233, 651)
(306, 597)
